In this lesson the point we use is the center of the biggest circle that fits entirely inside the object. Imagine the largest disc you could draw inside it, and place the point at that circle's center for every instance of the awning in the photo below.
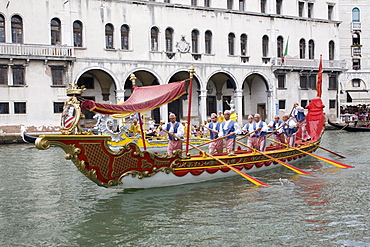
(360, 97)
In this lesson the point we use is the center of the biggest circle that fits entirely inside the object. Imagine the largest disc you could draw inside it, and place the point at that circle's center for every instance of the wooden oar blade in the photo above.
(297, 170)
(250, 178)
(332, 162)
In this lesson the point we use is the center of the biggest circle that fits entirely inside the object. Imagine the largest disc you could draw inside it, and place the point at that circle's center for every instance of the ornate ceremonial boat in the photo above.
(349, 128)
(134, 168)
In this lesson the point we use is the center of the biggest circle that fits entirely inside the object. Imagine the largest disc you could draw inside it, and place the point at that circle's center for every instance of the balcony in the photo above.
(355, 26)
(36, 52)
(356, 51)
(295, 63)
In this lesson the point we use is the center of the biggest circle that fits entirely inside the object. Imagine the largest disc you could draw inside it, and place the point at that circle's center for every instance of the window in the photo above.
(332, 103)
(17, 29)
(265, 46)
(281, 81)
(230, 4)
(19, 107)
(310, 10)
(282, 104)
(303, 84)
(109, 31)
(279, 3)
(125, 30)
(167, 1)
(55, 31)
(304, 103)
(330, 11)
(4, 108)
(77, 34)
(169, 39)
(263, 6)
(302, 49)
(311, 49)
(18, 75)
(356, 38)
(356, 64)
(194, 2)
(195, 41)
(333, 82)
(154, 39)
(58, 107)
(207, 3)
(2, 29)
(229, 84)
(356, 83)
(3, 75)
(300, 8)
(280, 46)
(331, 50)
(87, 81)
(243, 44)
(241, 5)
(312, 81)
(231, 43)
(355, 15)
(208, 42)
(57, 74)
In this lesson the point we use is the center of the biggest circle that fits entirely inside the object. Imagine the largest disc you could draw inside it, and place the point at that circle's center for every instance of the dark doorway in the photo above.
(211, 105)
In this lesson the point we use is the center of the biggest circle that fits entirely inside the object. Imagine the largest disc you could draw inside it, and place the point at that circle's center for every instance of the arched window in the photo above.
(231, 44)
(17, 29)
(109, 30)
(77, 34)
(355, 15)
(154, 39)
(125, 30)
(331, 50)
(195, 41)
(55, 28)
(280, 46)
(243, 44)
(208, 42)
(311, 49)
(302, 49)
(169, 39)
(2, 29)
(265, 46)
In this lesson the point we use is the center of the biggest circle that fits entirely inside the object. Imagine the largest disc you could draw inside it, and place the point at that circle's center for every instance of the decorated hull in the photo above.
(134, 168)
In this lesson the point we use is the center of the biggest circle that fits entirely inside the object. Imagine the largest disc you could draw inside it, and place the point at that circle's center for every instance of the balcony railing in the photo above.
(356, 51)
(294, 62)
(36, 51)
(356, 26)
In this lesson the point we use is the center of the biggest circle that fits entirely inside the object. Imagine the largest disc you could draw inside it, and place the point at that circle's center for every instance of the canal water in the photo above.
(45, 201)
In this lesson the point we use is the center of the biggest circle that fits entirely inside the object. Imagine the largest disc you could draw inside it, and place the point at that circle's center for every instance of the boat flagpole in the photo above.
(191, 72)
(133, 80)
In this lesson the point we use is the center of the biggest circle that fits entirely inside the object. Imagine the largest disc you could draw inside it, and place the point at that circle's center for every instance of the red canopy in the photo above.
(141, 100)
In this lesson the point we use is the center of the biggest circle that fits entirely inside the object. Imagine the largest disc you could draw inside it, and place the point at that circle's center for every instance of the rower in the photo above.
(298, 114)
(227, 127)
(258, 138)
(276, 125)
(175, 132)
(290, 130)
(248, 129)
(214, 125)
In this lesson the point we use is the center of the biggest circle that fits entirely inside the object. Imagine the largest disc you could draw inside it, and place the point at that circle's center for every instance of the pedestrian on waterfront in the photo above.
(298, 114)
(258, 138)
(276, 125)
(229, 127)
(214, 125)
(290, 130)
(175, 132)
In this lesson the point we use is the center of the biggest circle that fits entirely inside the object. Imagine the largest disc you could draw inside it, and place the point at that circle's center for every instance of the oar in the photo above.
(344, 127)
(297, 170)
(332, 162)
(275, 130)
(220, 138)
(341, 156)
(250, 178)
(240, 138)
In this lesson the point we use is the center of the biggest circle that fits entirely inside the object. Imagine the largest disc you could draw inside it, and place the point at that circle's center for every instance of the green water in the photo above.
(45, 201)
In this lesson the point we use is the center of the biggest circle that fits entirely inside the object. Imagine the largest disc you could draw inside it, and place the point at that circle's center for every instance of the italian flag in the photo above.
(285, 51)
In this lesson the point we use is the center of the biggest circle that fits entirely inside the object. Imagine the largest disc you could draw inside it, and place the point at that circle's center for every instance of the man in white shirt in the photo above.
(290, 130)
(215, 126)
(248, 128)
(258, 138)
(276, 125)
(229, 127)
(175, 132)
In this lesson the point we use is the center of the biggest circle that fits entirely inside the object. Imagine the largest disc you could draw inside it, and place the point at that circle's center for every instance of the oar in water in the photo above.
(341, 156)
(250, 178)
(332, 162)
(344, 127)
(297, 170)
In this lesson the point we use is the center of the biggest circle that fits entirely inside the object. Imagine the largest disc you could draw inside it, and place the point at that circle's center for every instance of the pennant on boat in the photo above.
(319, 80)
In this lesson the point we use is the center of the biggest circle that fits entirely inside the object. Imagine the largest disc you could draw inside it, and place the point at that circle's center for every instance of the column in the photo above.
(164, 113)
(203, 105)
(120, 95)
(238, 98)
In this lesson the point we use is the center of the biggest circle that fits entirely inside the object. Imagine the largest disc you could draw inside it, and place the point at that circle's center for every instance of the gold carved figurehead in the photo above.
(71, 116)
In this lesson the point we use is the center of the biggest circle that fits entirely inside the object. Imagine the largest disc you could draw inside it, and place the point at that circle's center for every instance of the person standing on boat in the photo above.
(215, 126)
(258, 138)
(248, 128)
(229, 127)
(175, 132)
(290, 130)
(158, 130)
(298, 114)
(355, 119)
(276, 125)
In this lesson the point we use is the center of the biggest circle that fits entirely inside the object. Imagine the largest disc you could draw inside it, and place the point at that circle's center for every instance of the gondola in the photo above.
(28, 138)
(348, 128)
